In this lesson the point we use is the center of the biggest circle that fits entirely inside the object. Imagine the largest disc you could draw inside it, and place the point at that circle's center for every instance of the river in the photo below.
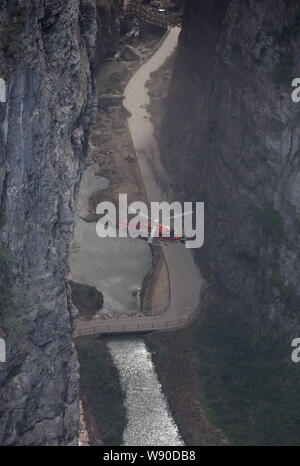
(149, 419)
(116, 267)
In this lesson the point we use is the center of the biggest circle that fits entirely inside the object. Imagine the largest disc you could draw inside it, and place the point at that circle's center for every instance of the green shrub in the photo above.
(248, 384)
(14, 305)
(43, 311)
(283, 70)
(115, 77)
(86, 298)
(288, 296)
(101, 387)
(297, 20)
(11, 41)
(297, 224)
(271, 223)
(249, 257)
(276, 280)
(2, 216)
(297, 154)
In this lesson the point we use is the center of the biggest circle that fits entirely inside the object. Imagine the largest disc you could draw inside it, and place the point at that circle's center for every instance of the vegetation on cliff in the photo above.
(14, 305)
(246, 383)
(102, 391)
(87, 299)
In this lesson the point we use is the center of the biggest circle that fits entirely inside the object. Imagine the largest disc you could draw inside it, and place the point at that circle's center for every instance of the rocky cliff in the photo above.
(108, 28)
(232, 139)
(47, 50)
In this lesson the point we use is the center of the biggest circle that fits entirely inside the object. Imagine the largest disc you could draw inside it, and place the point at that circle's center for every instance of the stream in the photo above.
(148, 416)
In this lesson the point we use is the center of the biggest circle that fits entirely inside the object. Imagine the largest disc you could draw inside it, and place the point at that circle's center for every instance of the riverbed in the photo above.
(116, 267)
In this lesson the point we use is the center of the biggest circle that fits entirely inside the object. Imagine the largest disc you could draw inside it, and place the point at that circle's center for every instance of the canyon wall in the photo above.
(231, 139)
(47, 50)
(108, 28)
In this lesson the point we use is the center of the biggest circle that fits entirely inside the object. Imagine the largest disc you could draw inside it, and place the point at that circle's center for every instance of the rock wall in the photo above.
(47, 52)
(231, 138)
(108, 28)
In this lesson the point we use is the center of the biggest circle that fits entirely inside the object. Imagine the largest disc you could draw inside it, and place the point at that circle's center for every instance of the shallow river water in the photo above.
(149, 419)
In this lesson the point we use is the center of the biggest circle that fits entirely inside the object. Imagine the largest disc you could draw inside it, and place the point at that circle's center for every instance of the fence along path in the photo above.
(133, 324)
(147, 15)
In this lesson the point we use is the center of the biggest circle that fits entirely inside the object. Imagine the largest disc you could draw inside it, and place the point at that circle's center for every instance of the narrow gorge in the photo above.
(84, 84)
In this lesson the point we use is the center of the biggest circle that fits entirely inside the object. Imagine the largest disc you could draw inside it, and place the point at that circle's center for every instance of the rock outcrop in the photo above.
(47, 50)
(108, 28)
(231, 139)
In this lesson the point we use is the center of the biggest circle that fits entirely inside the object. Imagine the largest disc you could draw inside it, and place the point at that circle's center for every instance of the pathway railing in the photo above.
(113, 326)
(159, 19)
(136, 324)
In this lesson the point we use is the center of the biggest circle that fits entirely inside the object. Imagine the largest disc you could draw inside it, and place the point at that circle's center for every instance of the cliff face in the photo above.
(231, 138)
(47, 58)
(108, 28)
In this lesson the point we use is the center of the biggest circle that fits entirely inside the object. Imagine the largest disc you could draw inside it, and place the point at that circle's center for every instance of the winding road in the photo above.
(186, 283)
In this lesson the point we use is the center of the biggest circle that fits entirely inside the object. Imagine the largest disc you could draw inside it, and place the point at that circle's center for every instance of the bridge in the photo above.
(114, 326)
(147, 15)
(134, 324)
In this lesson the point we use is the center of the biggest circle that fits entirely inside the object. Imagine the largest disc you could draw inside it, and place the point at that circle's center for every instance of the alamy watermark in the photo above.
(295, 356)
(296, 92)
(2, 350)
(2, 90)
(154, 223)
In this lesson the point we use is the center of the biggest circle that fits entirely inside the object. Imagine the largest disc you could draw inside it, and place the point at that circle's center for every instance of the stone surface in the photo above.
(48, 66)
(129, 54)
(231, 138)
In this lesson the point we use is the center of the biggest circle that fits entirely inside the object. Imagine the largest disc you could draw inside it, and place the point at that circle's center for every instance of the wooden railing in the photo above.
(114, 326)
(137, 324)
(159, 19)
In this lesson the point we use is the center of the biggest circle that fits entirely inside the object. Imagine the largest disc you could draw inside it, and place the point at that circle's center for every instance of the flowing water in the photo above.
(149, 419)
